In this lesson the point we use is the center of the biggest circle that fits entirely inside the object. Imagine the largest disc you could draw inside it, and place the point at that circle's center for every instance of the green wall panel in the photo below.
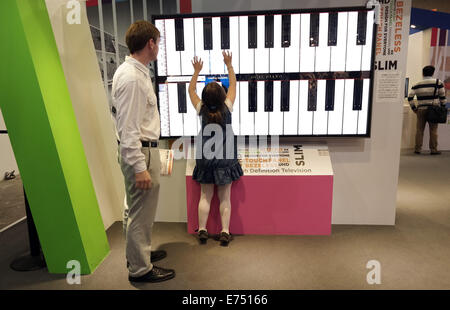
(41, 123)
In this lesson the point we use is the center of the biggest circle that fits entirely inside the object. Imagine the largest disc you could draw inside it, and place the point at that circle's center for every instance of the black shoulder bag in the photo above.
(436, 113)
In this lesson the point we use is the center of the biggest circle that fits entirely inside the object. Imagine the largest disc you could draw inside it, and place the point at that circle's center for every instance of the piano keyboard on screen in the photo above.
(298, 74)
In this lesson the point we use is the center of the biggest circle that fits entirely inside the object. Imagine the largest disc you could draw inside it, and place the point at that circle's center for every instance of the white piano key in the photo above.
(338, 52)
(173, 65)
(188, 54)
(291, 117)
(247, 118)
(323, 50)
(307, 53)
(353, 61)
(217, 65)
(190, 119)
(246, 55)
(276, 116)
(364, 112)
(335, 116)
(235, 115)
(350, 119)
(261, 53)
(261, 116)
(164, 110)
(292, 53)
(277, 52)
(305, 117)
(199, 47)
(162, 67)
(176, 118)
(320, 122)
(234, 42)
(199, 89)
(367, 48)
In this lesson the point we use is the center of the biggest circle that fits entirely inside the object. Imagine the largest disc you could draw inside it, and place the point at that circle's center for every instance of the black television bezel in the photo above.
(286, 11)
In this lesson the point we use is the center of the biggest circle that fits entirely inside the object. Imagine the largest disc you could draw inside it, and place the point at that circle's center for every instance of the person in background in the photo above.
(426, 91)
(138, 127)
(215, 110)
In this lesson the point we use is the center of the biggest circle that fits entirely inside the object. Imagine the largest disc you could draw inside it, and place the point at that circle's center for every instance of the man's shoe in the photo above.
(436, 153)
(157, 274)
(155, 256)
(416, 152)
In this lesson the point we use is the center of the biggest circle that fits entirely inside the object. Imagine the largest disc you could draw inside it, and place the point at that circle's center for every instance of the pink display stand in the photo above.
(270, 204)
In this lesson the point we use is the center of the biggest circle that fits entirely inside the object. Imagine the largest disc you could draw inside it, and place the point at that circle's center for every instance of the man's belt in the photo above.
(146, 143)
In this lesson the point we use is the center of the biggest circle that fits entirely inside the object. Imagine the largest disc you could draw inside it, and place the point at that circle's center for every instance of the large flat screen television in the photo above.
(300, 72)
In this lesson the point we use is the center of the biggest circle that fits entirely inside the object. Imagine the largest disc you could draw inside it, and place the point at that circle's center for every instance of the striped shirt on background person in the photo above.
(424, 91)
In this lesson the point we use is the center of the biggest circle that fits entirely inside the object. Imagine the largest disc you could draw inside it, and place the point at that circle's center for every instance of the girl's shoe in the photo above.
(203, 236)
(224, 238)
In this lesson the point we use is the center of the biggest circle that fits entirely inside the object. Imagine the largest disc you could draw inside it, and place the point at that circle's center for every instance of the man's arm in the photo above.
(411, 95)
(441, 93)
(131, 100)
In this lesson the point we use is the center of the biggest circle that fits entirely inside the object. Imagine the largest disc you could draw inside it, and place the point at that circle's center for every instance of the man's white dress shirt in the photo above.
(137, 116)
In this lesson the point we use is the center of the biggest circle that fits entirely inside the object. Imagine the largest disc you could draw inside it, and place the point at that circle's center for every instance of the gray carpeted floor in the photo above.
(415, 254)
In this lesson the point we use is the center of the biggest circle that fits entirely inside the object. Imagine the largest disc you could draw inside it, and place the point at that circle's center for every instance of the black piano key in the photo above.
(312, 95)
(314, 30)
(252, 31)
(285, 96)
(179, 34)
(329, 95)
(286, 31)
(362, 28)
(332, 28)
(182, 107)
(225, 33)
(357, 95)
(268, 96)
(269, 31)
(207, 34)
(252, 96)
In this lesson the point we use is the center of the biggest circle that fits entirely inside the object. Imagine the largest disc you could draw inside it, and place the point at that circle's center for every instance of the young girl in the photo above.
(215, 109)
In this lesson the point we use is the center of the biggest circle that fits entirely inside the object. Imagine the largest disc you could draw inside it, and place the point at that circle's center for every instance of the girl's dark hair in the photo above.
(213, 98)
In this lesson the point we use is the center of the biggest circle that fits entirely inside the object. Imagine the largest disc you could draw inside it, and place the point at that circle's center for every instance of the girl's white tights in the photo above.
(206, 195)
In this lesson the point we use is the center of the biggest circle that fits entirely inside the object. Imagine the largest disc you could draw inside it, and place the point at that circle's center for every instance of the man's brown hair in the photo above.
(139, 33)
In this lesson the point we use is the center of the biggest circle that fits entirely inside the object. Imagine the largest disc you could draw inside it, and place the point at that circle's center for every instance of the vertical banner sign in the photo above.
(391, 50)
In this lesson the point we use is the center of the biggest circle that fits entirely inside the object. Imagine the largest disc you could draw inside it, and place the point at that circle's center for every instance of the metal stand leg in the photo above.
(35, 260)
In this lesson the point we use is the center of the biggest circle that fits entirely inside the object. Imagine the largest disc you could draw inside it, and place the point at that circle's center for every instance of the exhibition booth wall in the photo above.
(365, 169)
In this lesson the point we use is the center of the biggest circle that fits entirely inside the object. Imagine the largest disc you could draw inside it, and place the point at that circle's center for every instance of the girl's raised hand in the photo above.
(227, 58)
(198, 64)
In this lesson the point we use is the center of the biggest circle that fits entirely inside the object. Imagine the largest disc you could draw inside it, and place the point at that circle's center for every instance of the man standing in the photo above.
(138, 127)
(427, 91)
